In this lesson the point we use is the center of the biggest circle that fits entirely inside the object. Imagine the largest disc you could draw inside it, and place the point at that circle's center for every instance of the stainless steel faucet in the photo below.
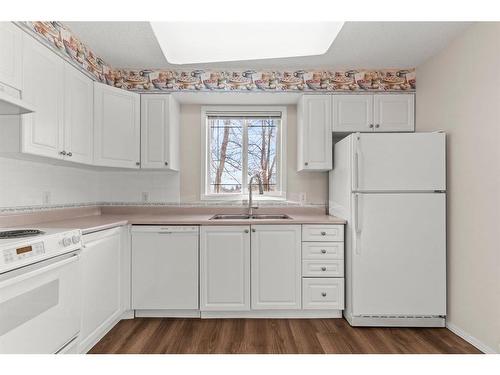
(250, 198)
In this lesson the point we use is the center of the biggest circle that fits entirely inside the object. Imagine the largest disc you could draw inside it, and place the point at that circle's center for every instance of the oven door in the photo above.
(40, 306)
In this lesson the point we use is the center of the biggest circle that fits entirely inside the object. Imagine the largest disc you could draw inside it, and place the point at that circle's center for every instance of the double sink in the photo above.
(248, 217)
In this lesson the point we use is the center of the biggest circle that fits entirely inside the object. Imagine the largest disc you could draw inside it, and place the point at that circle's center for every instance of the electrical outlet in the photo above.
(145, 197)
(302, 197)
(46, 197)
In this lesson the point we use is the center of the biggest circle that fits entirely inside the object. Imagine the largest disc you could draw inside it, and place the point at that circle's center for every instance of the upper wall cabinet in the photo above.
(379, 113)
(78, 115)
(10, 55)
(159, 132)
(43, 87)
(116, 127)
(314, 133)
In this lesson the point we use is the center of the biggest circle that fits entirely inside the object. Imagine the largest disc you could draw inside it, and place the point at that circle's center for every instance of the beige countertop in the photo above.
(95, 223)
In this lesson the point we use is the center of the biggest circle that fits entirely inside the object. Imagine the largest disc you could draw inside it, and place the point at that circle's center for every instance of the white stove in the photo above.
(39, 289)
(22, 246)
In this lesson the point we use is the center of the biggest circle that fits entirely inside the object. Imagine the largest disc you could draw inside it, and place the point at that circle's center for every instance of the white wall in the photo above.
(459, 92)
(23, 183)
(314, 184)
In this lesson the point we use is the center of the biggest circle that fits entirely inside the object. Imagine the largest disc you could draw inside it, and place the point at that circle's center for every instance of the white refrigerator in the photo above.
(390, 187)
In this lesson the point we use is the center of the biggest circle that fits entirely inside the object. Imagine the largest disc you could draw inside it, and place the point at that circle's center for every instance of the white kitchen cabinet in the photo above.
(159, 132)
(101, 285)
(374, 112)
(164, 267)
(116, 127)
(225, 268)
(322, 293)
(78, 115)
(393, 112)
(43, 87)
(314, 133)
(10, 55)
(276, 264)
(352, 113)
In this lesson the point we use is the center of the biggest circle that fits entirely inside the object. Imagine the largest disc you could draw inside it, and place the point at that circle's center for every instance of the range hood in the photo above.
(10, 105)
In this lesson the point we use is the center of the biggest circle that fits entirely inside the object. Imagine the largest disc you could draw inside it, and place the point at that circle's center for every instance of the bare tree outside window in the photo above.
(240, 147)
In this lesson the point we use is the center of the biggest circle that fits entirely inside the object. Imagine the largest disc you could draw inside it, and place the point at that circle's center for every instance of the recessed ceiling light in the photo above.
(205, 42)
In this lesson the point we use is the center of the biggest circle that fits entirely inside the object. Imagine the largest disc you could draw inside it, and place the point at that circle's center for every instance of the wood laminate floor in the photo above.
(272, 336)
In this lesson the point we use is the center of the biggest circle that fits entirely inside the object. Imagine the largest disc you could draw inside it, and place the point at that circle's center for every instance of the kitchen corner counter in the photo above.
(94, 223)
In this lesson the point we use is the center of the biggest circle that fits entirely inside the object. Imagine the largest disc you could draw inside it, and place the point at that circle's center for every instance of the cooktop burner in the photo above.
(20, 233)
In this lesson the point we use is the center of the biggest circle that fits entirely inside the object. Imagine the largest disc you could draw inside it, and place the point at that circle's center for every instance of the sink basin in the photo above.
(230, 217)
(247, 217)
(271, 216)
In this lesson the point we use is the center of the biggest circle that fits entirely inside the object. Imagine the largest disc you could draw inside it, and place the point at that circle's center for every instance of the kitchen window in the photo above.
(240, 142)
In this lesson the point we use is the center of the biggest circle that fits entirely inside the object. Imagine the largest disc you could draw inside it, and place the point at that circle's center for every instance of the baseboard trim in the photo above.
(167, 313)
(273, 314)
(470, 339)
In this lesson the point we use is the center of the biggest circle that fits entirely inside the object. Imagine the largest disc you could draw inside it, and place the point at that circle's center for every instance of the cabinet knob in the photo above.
(166, 163)
(323, 294)
(306, 163)
(62, 152)
(246, 230)
(253, 230)
(323, 233)
(370, 126)
(323, 269)
(70, 154)
(377, 126)
(323, 251)
(137, 163)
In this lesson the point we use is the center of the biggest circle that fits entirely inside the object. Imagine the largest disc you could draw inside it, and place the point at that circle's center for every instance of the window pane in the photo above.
(262, 151)
(226, 162)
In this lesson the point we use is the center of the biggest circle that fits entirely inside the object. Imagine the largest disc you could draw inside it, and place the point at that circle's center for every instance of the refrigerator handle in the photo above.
(357, 226)
(357, 157)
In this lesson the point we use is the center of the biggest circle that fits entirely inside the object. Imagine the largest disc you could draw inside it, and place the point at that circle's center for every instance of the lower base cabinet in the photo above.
(322, 293)
(225, 268)
(275, 267)
(101, 285)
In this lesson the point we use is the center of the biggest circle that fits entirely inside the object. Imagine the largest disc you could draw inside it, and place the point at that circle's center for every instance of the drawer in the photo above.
(323, 268)
(322, 250)
(322, 294)
(322, 233)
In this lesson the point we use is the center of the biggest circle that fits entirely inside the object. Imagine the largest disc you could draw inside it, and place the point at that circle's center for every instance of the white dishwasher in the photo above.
(164, 269)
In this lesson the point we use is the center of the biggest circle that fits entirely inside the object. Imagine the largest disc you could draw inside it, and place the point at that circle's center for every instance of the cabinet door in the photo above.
(225, 268)
(353, 113)
(43, 76)
(164, 268)
(314, 138)
(101, 280)
(276, 267)
(116, 127)
(78, 115)
(10, 54)
(159, 132)
(394, 112)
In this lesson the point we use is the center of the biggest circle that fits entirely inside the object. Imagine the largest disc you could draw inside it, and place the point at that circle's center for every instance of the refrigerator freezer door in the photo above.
(399, 162)
(399, 254)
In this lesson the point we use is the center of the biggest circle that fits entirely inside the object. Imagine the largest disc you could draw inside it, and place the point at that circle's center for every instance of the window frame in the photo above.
(281, 143)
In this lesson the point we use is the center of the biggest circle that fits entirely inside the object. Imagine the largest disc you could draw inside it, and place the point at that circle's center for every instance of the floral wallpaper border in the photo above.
(59, 37)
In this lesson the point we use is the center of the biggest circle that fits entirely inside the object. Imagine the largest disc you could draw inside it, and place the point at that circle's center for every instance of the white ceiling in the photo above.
(358, 45)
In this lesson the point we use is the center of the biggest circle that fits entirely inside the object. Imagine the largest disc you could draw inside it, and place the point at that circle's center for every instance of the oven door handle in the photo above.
(43, 268)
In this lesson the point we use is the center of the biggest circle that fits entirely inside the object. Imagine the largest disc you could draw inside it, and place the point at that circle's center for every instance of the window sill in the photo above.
(243, 198)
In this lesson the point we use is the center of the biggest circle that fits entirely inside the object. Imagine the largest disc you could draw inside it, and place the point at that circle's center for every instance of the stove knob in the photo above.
(75, 239)
(66, 241)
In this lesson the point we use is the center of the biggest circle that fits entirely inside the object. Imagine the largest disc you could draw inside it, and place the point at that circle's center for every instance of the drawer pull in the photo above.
(323, 294)
(323, 233)
(323, 251)
(323, 268)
